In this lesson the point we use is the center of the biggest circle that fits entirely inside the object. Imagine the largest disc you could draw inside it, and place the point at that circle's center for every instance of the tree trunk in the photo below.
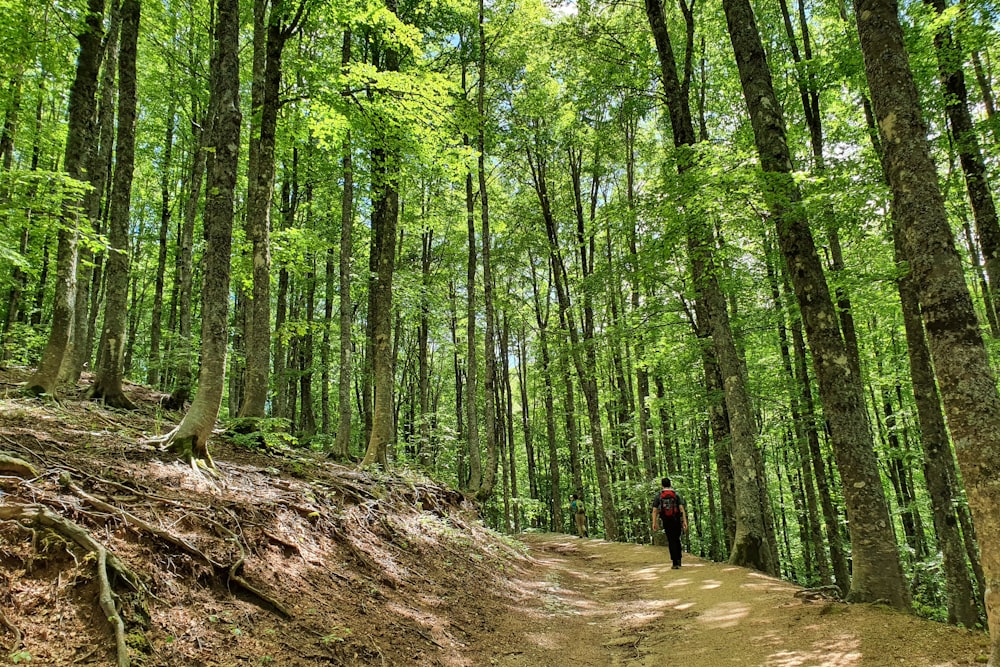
(342, 446)
(984, 212)
(385, 215)
(190, 438)
(200, 135)
(96, 208)
(750, 546)
(78, 141)
(878, 573)
(799, 431)
(108, 383)
(548, 398)
(423, 344)
(270, 36)
(966, 381)
(156, 320)
(489, 326)
(522, 381)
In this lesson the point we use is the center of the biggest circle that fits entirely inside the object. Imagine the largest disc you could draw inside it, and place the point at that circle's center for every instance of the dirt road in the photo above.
(590, 603)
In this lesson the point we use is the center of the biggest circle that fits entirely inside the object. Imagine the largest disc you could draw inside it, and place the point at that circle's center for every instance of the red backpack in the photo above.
(669, 505)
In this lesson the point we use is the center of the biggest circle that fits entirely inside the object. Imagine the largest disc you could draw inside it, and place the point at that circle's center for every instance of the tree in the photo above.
(878, 573)
(967, 384)
(82, 99)
(385, 216)
(190, 438)
(108, 383)
(272, 29)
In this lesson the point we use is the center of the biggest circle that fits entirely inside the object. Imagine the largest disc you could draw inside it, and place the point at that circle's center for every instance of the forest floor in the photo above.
(281, 557)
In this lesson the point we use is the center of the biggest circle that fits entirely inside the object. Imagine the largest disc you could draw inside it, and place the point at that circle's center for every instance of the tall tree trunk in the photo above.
(82, 99)
(270, 36)
(548, 398)
(342, 446)
(200, 135)
(190, 438)
(968, 387)
(423, 344)
(96, 209)
(799, 428)
(385, 215)
(489, 326)
(750, 546)
(108, 383)
(156, 320)
(522, 381)
(878, 573)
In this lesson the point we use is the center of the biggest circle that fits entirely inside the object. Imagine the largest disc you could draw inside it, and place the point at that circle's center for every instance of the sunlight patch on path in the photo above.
(724, 615)
(842, 651)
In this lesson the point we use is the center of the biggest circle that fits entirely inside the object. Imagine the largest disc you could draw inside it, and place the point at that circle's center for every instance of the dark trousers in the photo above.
(673, 531)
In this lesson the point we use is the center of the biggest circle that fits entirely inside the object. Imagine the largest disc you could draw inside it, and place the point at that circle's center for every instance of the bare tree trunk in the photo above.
(385, 217)
(156, 321)
(878, 573)
(78, 139)
(108, 383)
(342, 446)
(984, 212)
(271, 33)
(190, 438)
(200, 136)
(548, 398)
(967, 384)
(489, 326)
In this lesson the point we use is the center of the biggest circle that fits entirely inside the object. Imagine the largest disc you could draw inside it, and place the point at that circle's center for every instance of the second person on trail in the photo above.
(670, 510)
(579, 513)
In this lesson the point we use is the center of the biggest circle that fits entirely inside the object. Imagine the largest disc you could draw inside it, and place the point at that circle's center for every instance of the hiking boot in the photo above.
(676, 567)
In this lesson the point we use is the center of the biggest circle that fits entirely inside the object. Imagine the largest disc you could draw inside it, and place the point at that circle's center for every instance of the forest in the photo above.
(535, 249)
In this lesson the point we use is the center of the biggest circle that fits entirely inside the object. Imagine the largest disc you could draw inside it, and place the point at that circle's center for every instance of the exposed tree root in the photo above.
(112, 399)
(13, 629)
(230, 573)
(40, 515)
(19, 467)
(131, 519)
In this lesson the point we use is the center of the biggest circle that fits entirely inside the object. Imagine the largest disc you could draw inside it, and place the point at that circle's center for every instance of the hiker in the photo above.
(670, 509)
(579, 513)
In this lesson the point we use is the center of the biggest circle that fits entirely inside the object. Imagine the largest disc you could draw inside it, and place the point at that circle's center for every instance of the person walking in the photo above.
(670, 511)
(579, 513)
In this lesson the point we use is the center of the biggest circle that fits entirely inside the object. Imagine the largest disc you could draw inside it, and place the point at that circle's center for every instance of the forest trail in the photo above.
(590, 603)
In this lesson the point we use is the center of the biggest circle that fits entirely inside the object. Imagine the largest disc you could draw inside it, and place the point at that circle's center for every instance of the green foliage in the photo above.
(269, 434)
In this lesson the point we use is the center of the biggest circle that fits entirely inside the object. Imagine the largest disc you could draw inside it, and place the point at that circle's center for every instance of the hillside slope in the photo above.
(278, 559)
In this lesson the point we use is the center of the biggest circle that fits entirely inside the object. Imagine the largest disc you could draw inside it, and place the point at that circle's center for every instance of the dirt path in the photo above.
(593, 603)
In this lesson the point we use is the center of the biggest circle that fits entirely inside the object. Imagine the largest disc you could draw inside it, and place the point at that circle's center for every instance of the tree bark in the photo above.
(385, 216)
(342, 445)
(156, 319)
(190, 438)
(956, 95)
(270, 36)
(200, 135)
(489, 326)
(967, 384)
(878, 573)
(108, 383)
(78, 139)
